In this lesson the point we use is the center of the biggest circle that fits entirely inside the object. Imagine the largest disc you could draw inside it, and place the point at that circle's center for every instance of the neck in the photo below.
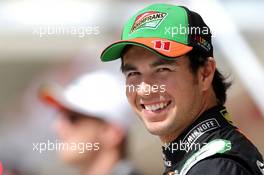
(103, 163)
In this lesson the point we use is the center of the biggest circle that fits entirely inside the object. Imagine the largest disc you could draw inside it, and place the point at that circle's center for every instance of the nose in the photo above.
(144, 89)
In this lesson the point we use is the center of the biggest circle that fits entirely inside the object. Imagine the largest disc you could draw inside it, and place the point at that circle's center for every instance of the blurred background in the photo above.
(58, 40)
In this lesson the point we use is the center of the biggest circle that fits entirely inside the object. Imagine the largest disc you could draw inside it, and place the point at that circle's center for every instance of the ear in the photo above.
(206, 73)
(112, 136)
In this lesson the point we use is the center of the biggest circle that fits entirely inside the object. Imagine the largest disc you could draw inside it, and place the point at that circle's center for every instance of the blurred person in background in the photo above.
(180, 95)
(93, 122)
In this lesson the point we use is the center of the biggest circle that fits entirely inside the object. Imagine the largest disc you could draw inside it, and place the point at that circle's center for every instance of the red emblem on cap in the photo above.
(162, 45)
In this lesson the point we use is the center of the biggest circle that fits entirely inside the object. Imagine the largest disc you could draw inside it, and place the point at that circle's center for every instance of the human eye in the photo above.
(164, 69)
(131, 74)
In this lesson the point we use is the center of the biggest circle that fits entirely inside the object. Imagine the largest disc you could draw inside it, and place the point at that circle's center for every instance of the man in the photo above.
(169, 47)
(92, 123)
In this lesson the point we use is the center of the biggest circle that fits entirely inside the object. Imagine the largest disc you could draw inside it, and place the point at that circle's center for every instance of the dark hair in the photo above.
(220, 84)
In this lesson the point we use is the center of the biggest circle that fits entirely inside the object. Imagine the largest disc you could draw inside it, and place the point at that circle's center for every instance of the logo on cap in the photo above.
(151, 19)
(162, 45)
(203, 43)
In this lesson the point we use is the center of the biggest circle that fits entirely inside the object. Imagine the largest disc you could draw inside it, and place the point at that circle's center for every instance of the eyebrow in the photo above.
(162, 62)
(127, 67)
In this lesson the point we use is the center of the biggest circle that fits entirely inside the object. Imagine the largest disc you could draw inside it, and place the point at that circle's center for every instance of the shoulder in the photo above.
(218, 166)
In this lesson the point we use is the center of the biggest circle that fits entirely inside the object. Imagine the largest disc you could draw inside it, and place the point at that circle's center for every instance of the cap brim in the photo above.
(174, 49)
(52, 95)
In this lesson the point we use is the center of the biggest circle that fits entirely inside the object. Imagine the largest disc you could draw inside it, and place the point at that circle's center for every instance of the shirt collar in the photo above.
(210, 120)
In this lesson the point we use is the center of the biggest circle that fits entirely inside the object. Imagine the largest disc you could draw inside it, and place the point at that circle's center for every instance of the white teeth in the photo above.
(156, 107)
(147, 108)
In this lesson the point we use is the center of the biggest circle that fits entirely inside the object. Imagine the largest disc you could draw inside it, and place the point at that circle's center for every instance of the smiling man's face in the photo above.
(164, 113)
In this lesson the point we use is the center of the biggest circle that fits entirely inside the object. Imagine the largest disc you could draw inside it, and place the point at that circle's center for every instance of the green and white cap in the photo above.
(168, 30)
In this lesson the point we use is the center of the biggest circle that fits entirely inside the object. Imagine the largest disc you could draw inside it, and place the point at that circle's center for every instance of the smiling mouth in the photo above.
(156, 107)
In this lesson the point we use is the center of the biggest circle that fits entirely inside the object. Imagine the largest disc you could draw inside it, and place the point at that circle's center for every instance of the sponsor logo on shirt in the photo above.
(200, 129)
(260, 165)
